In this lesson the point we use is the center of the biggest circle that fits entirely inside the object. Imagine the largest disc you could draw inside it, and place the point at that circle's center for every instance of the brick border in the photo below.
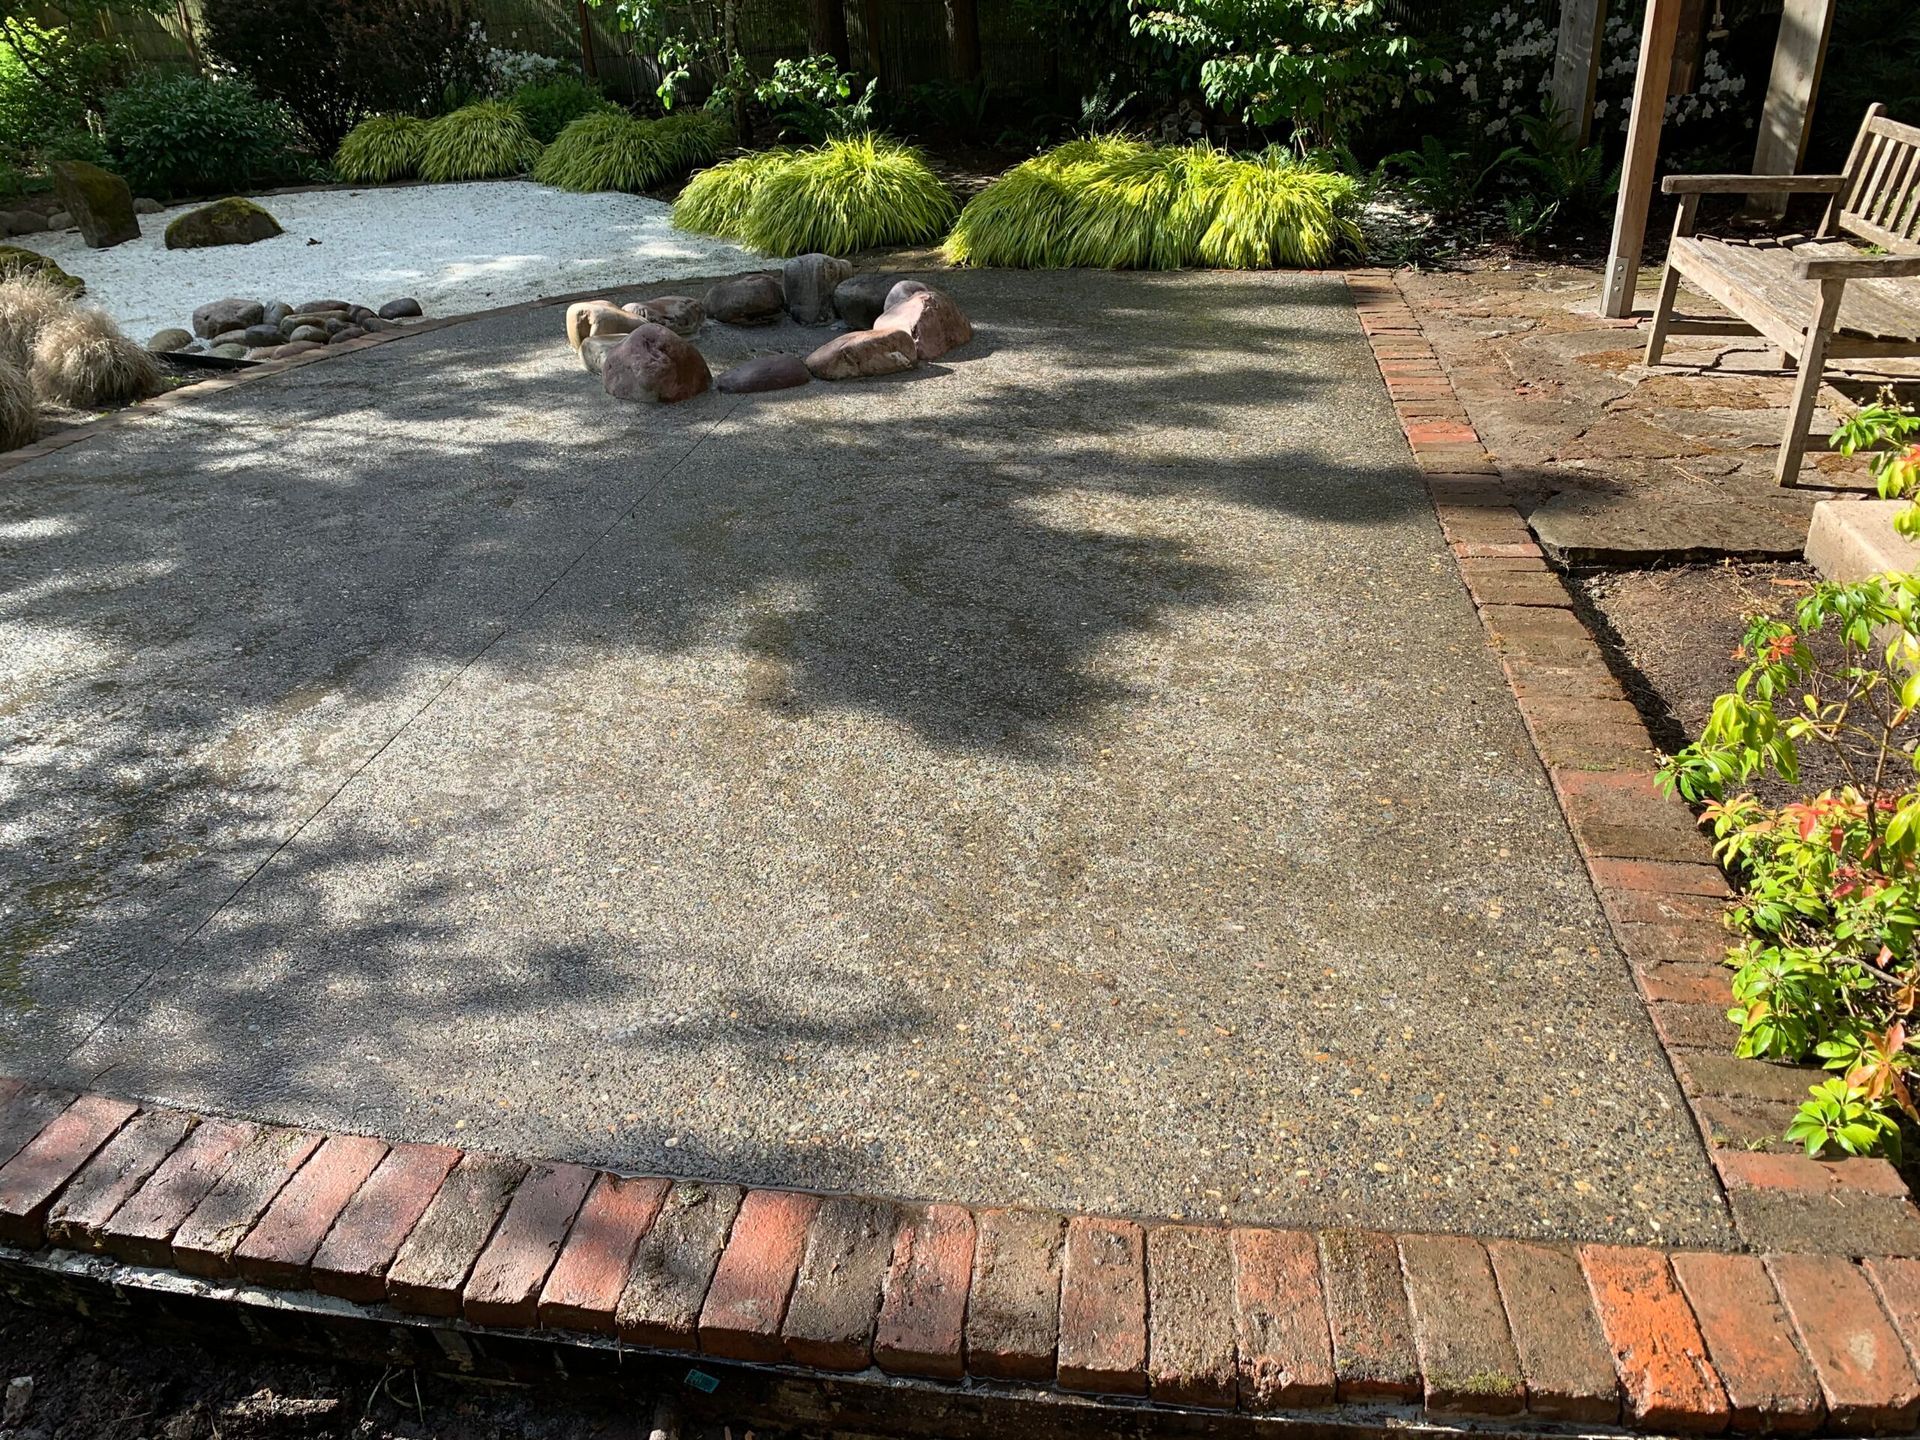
(1651, 866)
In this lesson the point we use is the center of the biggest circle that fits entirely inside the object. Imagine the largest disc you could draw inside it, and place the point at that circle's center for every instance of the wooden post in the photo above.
(589, 65)
(1646, 120)
(963, 28)
(1576, 62)
(1805, 27)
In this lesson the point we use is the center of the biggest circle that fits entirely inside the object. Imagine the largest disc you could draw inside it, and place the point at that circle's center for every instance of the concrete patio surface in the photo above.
(1070, 774)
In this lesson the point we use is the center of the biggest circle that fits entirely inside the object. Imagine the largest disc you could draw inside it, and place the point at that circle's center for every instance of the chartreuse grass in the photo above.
(839, 197)
(1119, 204)
(381, 148)
(478, 142)
(612, 150)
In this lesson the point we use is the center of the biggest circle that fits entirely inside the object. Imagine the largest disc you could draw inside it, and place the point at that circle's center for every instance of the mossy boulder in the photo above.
(98, 201)
(225, 222)
(14, 260)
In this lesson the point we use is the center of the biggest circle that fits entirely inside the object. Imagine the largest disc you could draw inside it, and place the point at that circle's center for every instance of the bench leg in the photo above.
(1806, 392)
(1662, 315)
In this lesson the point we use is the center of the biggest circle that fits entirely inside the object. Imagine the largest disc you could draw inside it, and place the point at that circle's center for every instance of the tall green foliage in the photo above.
(174, 135)
(843, 196)
(551, 105)
(1321, 66)
(1114, 203)
(382, 148)
(478, 142)
(612, 150)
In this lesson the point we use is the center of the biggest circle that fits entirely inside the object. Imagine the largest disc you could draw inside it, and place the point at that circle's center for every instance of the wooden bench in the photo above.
(1819, 298)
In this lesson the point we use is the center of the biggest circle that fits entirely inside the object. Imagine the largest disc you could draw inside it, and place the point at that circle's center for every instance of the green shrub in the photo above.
(31, 109)
(840, 197)
(612, 150)
(550, 106)
(1123, 204)
(478, 142)
(382, 148)
(813, 99)
(175, 135)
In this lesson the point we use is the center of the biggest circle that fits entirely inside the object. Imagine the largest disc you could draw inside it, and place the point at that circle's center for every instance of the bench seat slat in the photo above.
(1759, 285)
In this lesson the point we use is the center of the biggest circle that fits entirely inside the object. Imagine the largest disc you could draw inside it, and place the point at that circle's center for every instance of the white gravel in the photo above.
(454, 248)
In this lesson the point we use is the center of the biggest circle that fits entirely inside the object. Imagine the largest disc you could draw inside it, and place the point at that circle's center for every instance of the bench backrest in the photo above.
(1881, 203)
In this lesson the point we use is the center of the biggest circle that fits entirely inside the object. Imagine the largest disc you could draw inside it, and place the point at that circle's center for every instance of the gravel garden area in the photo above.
(455, 248)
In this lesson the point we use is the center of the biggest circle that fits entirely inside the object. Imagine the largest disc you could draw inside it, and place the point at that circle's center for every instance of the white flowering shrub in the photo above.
(508, 70)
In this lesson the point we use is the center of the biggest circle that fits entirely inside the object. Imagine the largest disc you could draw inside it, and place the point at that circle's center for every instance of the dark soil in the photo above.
(86, 1382)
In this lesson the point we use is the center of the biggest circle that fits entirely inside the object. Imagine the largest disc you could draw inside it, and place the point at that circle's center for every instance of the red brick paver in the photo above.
(1467, 1359)
(1564, 1358)
(1769, 1383)
(141, 1228)
(1013, 1311)
(836, 1296)
(583, 1292)
(1865, 1376)
(1284, 1348)
(1658, 1351)
(205, 1242)
(103, 1185)
(282, 1244)
(922, 1325)
(352, 1261)
(748, 1297)
(31, 1179)
(1191, 1356)
(1103, 1307)
(504, 1288)
(1374, 1357)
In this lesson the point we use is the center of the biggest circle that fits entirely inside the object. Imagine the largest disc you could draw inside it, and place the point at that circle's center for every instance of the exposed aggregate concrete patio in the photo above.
(1070, 774)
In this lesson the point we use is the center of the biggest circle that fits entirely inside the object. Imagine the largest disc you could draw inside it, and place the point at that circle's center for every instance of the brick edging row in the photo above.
(1651, 865)
(1254, 1320)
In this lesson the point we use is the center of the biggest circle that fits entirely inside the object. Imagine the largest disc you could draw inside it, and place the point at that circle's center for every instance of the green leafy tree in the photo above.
(1323, 67)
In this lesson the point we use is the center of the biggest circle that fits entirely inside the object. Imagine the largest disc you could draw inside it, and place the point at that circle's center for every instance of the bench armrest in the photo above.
(1753, 184)
(1860, 267)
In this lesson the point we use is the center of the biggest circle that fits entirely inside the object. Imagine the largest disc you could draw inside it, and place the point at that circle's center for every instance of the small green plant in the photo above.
(813, 100)
(382, 148)
(173, 135)
(1564, 180)
(843, 196)
(1829, 909)
(1890, 431)
(1442, 179)
(612, 150)
(1115, 203)
(478, 142)
(552, 104)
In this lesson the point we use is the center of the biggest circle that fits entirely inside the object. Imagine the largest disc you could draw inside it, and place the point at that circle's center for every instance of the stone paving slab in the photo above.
(1071, 775)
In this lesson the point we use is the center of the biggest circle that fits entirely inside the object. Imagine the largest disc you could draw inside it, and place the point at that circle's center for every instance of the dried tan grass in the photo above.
(19, 417)
(82, 359)
(27, 303)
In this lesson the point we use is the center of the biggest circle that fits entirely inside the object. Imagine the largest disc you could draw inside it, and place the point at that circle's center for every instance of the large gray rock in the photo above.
(316, 333)
(98, 202)
(930, 317)
(262, 334)
(297, 347)
(146, 205)
(174, 339)
(276, 312)
(325, 307)
(228, 352)
(233, 221)
(809, 282)
(594, 350)
(860, 300)
(860, 354)
(768, 372)
(747, 300)
(230, 337)
(344, 334)
(405, 308)
(681, 314)
(218, 316)
(21, 222)
(655, 364)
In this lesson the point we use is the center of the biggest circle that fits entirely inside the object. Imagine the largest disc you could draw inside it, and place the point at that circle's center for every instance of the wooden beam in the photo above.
(1645, 121)
(1785, 118)
(1576, 62)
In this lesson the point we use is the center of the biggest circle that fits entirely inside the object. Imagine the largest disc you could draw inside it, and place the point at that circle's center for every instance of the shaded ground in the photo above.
(1070, 775)
(1615, 463)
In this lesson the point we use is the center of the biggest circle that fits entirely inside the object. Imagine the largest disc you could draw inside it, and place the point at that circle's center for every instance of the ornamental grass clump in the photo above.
(382, 148)
(839, 197)
(612, 150)
(19, 416)
(28, 302)
(81, 359)
(1118, 204)
(481, 141)
(1825, 922)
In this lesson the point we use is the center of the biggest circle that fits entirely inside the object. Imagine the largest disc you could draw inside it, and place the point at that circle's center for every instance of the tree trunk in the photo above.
(587, 61)
(827, 31)
(963, 26)
(729, 48)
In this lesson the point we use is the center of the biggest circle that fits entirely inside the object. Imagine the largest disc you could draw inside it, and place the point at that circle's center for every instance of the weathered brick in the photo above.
(1734, 1078)
(504, 1288)
(1587, 675)
(27, 1112)
(1539, 634)
(1865, 1377)
(1564, 1358)
(428, 1273)
(1518, 587)
(1897, 1283)
(1743, 1170)
(1658, 1352)
(1683, 1026)
(1013, 1312)
(660, 1306)
(1689, 985)
(1468, 1364)
(122, 1167)
(583, 1292)
(280, 1246)
(1698, 943)
(352, 1261)
(1284, 1348)
(1607, 746)
(205, 1242)
(836, 1296)
(751, 1285)
(1103, 1307)
(141, 1228)
(1769, 1384)
(1842, 1222)
(1650, 907)
(1745, 1124)
(34, 1176)
(1374, 1357)
(1190, 1323)
(1664, 877)
(923, 1312)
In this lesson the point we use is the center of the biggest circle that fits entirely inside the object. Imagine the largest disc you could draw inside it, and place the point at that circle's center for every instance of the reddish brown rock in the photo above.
(580, 319)
(681, 314)
(756, 299)
(655, 364)
(860, 354)
(768, 372)
(933, 320)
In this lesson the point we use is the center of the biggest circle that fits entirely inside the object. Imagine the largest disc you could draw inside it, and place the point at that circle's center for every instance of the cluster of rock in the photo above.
(99, 204)
(237, 329)
(642, 351)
